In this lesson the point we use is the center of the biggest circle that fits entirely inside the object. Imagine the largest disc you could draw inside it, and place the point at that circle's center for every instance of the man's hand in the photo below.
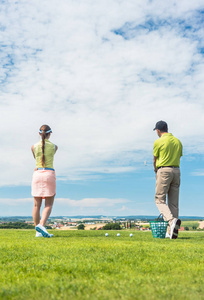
(154, 163)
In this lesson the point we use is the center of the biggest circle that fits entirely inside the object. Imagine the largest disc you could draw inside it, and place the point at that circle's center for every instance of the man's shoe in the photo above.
(168, 236)
(175, 225)
(41, 229)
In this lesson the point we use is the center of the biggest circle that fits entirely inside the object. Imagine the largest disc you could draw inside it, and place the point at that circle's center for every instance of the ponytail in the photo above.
(43, 150)
(45, 130)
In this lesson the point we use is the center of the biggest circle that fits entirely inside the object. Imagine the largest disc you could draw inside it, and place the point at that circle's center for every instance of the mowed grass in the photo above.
(88, 265)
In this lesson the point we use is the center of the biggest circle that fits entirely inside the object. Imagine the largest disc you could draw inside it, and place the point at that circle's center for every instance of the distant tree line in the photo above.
(112, 226)
(16, 225)
(81, 227)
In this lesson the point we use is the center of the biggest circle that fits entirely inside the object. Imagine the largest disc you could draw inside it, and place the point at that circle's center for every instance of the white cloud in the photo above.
(101, 92)
(13, 201)
(84, 206)
(123, 208)
(64, 206)
(92, 202)
(86, 202)
(198, 173)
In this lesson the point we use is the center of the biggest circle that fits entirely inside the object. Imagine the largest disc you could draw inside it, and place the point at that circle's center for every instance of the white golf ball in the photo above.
(131, 235)
(118, 234)
(106, 234)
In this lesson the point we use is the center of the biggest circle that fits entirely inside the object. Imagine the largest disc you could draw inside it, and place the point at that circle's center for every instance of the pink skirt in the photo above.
(44, 183)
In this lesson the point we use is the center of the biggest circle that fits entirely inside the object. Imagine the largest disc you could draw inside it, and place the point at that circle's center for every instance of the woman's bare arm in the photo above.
(32, 149)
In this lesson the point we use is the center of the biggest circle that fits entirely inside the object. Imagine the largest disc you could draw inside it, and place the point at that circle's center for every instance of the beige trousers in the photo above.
(168, 183)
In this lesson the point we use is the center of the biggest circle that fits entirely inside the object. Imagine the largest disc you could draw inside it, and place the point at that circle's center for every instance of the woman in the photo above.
(44, 180)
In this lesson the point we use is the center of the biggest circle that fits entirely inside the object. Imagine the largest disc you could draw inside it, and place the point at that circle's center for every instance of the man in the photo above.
(166, 160)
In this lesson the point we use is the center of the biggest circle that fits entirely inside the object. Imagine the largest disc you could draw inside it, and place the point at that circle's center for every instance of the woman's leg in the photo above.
(36, 210)
(47, 209)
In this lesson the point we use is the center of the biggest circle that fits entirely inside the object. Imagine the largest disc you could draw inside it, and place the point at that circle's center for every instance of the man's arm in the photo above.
(154, 163)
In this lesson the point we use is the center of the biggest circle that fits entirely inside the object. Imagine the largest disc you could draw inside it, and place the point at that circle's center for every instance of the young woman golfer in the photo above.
(44, 180)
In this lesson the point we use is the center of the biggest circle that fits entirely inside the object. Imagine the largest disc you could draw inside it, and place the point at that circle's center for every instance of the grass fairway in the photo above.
(88, 265)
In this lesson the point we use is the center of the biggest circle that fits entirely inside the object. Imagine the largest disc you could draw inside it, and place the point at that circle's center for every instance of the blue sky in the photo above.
(101, 74)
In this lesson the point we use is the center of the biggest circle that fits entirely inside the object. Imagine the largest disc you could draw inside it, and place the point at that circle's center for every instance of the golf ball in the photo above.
(106, 234)
(131, 235)
(118, 234)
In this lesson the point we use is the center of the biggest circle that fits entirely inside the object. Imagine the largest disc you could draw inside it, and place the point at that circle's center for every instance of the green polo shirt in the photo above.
(168, 150)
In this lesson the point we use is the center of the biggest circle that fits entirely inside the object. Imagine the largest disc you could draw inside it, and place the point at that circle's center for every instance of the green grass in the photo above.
(88, 265)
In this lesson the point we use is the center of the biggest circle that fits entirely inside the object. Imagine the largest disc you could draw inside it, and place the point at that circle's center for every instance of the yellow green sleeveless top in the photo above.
(49, 153)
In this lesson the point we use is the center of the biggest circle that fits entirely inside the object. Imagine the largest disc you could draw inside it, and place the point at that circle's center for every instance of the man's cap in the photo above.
(161, 125)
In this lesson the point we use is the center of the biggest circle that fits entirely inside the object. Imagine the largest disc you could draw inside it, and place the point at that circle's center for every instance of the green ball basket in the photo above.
(158, 228)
